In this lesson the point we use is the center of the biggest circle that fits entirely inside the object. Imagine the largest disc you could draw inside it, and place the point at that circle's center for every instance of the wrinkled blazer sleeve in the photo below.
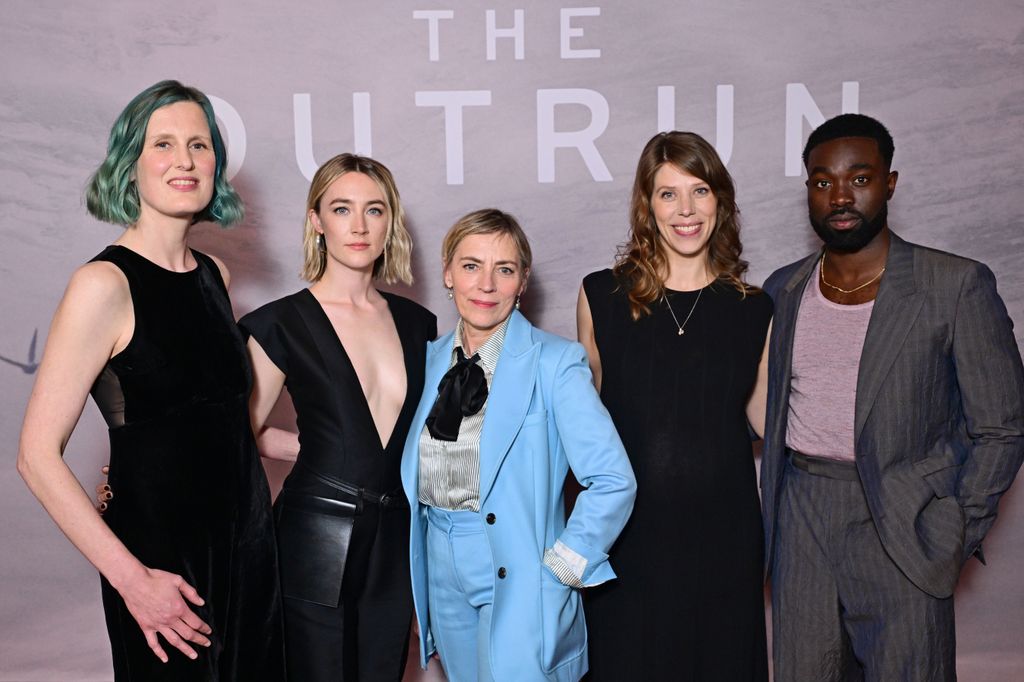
(991, 382)
(597, 459)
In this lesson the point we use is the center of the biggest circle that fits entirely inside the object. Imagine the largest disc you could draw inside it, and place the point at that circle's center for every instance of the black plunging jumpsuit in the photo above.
(342, 519)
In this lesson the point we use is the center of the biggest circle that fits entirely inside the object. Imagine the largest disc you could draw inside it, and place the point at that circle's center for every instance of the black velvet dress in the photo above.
(342, 518)
(688, 601)
(190, 495)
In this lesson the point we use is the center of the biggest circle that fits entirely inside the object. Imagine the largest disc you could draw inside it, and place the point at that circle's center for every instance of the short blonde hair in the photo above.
(487, 221)
(395, 264)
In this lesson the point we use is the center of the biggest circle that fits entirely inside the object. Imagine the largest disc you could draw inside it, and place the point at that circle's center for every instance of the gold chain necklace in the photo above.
(688, 315)
(821, 269)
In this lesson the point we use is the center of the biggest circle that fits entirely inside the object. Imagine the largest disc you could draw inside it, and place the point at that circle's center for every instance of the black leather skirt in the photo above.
(315, 514)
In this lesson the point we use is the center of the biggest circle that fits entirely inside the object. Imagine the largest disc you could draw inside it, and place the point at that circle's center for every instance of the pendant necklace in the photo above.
(821, 269)
(688, 315)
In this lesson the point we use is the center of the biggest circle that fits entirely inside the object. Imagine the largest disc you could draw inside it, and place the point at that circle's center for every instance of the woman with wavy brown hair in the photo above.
(676, 343)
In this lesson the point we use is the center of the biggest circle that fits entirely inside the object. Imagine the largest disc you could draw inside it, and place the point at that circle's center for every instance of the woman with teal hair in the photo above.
(186, 549)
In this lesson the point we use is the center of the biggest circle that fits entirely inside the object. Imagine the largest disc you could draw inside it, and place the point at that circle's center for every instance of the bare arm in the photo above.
(268, 380)
(224, 273)
(93, 322)
(585, 335)
(758, 401)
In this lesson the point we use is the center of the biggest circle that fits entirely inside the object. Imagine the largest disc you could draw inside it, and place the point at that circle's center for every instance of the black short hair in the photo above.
(852, 125)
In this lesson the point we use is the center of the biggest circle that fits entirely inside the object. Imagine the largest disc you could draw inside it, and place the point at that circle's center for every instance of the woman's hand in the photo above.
(156, 599)
(104, 493)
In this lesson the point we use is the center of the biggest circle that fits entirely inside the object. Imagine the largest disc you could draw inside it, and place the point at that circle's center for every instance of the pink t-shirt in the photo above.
(823, 390)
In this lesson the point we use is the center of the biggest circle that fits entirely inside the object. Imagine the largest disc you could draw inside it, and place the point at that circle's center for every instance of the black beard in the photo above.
(852, 240)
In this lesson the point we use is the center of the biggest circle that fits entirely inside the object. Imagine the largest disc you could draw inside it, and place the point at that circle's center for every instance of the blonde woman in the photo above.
(508, 410)
(352, 358)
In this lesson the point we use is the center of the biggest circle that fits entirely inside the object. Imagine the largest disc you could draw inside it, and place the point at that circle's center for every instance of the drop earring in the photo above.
(517, 302)
(451, 293)
(321, 243)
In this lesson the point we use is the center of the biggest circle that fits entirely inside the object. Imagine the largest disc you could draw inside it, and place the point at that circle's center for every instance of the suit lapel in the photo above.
(896, 309)
(439, 355)
(509, 398)
(781, 349)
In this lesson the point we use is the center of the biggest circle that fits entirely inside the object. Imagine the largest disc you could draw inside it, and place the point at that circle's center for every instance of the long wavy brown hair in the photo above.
(641, 265)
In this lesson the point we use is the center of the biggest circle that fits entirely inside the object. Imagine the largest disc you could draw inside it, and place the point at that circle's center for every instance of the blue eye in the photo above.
(340, 210)
(375, 211)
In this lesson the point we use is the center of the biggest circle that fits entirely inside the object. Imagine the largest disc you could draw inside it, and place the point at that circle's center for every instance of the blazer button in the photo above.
(502, 572)
(490, 519)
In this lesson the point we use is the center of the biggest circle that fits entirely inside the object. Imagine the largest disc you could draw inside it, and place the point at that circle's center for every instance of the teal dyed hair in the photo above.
(112, 195)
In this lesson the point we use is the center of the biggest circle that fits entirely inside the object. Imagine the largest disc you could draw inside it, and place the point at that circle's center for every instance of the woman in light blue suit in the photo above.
(506, 412)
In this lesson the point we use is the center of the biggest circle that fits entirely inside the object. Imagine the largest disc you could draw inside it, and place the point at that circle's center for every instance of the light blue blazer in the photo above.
(543, 417)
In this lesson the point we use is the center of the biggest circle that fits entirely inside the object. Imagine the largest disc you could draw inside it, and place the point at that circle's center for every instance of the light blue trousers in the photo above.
(460, 593)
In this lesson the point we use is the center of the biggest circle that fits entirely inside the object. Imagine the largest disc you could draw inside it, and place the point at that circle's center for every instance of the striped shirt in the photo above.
(450, 471)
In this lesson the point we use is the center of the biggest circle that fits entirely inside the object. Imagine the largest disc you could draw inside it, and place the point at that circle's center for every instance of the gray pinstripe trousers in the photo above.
(841, 609)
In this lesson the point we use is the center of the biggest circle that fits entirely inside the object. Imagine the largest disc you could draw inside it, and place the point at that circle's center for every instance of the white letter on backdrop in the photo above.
(548, 139)
(304, 129)
(235, 134)
(569, 32)
(724, 120)
(666, 108)
(433, 16)
(453, 101)
(800, 106)
(517, 33)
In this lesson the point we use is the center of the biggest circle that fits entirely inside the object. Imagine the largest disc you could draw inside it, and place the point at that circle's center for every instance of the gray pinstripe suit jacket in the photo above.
(939, 417)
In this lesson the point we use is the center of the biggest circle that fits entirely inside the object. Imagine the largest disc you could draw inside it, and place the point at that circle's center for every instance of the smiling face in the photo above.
(485, 276)
(353, 217)
(848, 189)
(175, 172)
(685, 210)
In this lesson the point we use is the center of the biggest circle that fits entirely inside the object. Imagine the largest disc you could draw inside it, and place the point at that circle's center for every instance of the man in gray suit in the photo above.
(895, 422)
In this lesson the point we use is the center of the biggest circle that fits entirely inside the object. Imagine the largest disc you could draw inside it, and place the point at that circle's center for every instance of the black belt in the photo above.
(393, 498)
(820, 466)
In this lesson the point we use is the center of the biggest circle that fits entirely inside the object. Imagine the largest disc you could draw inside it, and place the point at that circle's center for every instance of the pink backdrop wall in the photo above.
(543, 115)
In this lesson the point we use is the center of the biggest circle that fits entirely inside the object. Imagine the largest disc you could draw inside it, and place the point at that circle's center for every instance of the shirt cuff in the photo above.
(567, 565)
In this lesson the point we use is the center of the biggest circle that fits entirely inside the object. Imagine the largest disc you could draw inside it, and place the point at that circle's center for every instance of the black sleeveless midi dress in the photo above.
(190, 494)
(688, 602)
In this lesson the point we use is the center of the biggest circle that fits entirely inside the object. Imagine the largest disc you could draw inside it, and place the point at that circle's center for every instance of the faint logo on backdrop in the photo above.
(30, 365)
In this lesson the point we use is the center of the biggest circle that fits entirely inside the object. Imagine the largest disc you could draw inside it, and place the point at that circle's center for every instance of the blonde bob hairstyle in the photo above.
(395, 264)
(487, 221)
(641, 265)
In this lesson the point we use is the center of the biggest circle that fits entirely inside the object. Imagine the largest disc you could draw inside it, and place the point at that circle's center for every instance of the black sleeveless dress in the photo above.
(688, 601)
(190, 495)
(342, 518)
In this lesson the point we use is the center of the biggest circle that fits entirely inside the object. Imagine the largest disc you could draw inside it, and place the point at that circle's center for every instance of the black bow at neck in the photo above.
(462, 392)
